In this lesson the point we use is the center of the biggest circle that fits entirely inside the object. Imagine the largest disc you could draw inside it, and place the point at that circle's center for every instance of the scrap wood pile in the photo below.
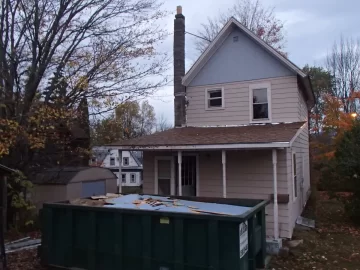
(168, 204)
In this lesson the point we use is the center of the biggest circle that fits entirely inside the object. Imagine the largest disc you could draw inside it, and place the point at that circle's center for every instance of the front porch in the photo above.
(246, 174)
(252, 162)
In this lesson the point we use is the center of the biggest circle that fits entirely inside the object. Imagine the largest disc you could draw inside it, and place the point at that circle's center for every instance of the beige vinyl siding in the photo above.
(303, 112)
(250, 175)
(236, 111)
(301, 149)
(148, 172)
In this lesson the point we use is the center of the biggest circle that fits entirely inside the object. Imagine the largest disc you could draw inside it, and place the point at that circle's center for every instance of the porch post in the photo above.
(179, 171)
(276, 210)
(120, 174)
(223, 159)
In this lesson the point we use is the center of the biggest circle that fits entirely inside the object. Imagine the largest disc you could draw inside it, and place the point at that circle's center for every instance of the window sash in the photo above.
(132, 178)
(219, 98)
(126, 161)
(260, 103)
(112, 161)
(123, 178)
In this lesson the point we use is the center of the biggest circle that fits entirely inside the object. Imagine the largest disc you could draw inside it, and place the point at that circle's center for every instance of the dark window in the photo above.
(215, 98)
(123, 177)
(295, 176)
(125, 161)
(112, 161)
(260, 104)
(132, 178)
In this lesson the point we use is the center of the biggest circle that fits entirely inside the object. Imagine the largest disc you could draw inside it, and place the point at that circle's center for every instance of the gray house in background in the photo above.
(132, 168)
(241, 128)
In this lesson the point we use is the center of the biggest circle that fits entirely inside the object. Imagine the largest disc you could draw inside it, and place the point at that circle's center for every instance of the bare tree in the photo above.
(253, 15)
(59, 56)
(162, 123)
(74, 49)
(343, 64)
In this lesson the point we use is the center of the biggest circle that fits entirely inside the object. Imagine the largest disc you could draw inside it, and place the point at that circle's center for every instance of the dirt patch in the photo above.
(333, 245)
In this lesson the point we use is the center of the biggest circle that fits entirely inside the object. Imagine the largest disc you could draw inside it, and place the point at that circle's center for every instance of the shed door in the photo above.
(93, 188)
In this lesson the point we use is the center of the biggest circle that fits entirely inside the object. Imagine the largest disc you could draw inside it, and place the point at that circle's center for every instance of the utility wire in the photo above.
(197, 36)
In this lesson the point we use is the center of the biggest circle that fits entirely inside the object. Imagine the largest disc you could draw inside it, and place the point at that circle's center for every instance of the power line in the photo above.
(197, 36)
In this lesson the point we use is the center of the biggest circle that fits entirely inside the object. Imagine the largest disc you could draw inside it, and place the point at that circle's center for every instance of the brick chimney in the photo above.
(179, 68)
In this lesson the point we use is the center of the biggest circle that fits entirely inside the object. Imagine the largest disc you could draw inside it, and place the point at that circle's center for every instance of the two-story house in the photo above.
(241, 128)
(131, 173)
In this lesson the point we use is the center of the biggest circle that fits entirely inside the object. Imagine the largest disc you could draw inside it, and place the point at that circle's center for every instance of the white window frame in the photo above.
(128, 161)
(172, 177)
(295, 187)
(131, 176)
(207, 90)
(112, 158)
(253, 87)
(123, 174)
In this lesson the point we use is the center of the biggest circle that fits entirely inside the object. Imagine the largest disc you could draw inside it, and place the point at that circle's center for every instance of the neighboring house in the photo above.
(132, 168)
(241, 128)
(68, 183)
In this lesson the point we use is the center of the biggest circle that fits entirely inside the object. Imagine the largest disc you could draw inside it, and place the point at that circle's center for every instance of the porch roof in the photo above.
(232, 137)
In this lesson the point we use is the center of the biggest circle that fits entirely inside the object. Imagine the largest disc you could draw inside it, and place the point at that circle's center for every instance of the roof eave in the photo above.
(204, 146)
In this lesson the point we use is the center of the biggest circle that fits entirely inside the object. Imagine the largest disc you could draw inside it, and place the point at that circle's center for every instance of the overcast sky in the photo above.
(311, 28)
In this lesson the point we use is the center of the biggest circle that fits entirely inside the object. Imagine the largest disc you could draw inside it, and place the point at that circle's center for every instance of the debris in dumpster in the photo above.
(100, 197)
(88, 202)
(112, 195)
(166, 204)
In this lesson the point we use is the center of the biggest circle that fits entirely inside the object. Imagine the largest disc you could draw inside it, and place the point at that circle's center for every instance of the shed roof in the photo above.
(64, 175)
(192, 136)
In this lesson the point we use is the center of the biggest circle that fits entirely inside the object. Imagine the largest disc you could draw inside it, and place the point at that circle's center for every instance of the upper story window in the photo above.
(125, 161)
(214, 98)
(112, 161)
(260, 106)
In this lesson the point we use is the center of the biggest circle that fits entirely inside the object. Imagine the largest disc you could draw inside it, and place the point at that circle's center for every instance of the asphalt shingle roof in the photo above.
(282, 132)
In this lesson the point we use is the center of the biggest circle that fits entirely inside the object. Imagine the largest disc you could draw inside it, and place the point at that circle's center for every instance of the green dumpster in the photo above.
(155, 233)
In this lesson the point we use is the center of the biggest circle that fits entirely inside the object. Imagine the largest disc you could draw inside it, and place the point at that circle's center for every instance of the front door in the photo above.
(188, 173)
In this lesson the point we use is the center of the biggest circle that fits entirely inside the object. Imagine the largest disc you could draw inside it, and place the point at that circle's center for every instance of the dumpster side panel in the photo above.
(102, 238)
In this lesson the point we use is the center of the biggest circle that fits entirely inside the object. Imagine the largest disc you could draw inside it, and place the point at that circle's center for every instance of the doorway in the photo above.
(188, 173)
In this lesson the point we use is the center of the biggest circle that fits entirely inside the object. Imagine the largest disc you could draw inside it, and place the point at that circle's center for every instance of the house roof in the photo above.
(219, 39)
(64, 175)
(228, 137)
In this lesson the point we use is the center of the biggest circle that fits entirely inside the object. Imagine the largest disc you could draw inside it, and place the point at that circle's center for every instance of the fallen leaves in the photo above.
(333, 245)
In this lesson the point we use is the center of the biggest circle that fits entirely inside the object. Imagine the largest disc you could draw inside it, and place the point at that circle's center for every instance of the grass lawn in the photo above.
(334, 244)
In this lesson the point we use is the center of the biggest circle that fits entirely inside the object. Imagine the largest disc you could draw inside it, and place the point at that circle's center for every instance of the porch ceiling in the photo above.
(234, 137)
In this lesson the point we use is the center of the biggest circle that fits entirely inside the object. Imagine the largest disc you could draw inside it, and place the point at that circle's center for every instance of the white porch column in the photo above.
(179, 171)
(223, 159)
(276, 210)
(120, 174)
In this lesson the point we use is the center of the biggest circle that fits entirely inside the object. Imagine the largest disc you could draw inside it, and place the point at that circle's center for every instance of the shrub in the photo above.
(343, 170)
